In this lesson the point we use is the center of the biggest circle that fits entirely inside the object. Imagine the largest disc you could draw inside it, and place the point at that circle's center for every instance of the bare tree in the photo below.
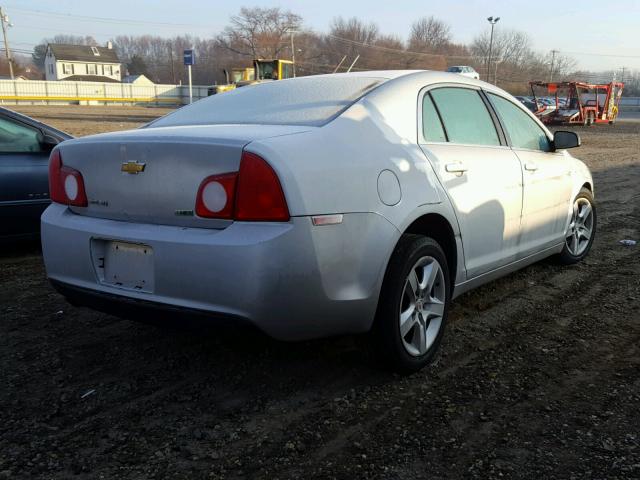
(558, 65)
(260, 32)
(510, 46)
(354, 30)
(350, 38)
(429, 34)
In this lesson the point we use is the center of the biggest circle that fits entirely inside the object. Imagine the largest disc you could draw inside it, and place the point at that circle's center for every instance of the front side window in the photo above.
(431, 125)
(523, 131)
(18, 138)
(465, 116)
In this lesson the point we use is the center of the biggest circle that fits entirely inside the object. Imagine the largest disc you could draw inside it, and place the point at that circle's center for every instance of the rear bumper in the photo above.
(142, 310)
(291, 280)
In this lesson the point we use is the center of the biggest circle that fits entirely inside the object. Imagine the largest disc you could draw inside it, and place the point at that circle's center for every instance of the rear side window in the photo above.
(465, 116)
(522, 130)
(431, 125)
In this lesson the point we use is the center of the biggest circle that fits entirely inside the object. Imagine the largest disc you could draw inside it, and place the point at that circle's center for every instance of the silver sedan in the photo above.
(318, 206)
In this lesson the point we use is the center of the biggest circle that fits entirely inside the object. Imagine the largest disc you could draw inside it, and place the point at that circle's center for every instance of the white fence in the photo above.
(94, 93)
(629, 103)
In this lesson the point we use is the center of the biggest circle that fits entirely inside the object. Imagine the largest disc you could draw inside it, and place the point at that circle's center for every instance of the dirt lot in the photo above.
(539, 375)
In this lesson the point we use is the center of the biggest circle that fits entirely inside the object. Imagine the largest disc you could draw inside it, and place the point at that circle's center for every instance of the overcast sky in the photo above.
(592, 32)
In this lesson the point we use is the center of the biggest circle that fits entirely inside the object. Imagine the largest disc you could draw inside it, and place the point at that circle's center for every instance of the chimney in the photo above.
(110, 45)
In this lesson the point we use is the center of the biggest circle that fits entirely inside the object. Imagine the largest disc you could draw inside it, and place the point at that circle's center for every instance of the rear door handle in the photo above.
(457, 167)
(530, 166)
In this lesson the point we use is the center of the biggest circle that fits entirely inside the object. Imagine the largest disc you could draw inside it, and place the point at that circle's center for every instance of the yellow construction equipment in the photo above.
(263, 70)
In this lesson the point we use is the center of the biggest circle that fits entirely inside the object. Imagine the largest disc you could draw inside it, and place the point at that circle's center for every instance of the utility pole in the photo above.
(553, 63)
(173, 72)
(492, 21)
(293, 53)
(495, 75)
(5, 20)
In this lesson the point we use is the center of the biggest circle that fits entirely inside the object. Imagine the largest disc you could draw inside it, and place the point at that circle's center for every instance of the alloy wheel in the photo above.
(422, 306)
(580, 228)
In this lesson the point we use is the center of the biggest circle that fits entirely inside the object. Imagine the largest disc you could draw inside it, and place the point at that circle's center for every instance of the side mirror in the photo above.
(49, 141)
(563, 139)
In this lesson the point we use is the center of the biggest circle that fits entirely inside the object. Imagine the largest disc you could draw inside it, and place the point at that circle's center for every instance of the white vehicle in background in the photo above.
(464, 70)
(317, 206)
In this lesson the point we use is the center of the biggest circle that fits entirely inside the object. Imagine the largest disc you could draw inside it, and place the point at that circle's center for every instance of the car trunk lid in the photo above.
(152, 175)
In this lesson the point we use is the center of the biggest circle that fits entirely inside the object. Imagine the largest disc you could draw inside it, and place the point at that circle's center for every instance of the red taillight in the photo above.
(252, 194)
(259, 194)
(216, 196)
(66, 184)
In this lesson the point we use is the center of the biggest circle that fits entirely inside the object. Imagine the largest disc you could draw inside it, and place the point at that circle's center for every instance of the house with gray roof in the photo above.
(82, 63)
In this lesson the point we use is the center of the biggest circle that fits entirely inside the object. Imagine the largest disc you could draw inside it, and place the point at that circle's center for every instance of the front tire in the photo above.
(582, 229)
(413, 306)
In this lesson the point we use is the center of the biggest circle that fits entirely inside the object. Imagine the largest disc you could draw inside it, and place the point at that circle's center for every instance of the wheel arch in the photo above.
(438, 227)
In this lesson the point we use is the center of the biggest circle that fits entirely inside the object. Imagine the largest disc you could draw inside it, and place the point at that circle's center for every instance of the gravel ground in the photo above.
(539, 375)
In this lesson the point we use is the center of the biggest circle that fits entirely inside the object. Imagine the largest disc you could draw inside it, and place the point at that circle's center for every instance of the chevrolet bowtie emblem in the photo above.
(132, 167)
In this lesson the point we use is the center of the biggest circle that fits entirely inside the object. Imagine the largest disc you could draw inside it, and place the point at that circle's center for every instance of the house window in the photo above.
(51, 68)
(91, 69)
(95, 51)
(67, 68)
(108, 70)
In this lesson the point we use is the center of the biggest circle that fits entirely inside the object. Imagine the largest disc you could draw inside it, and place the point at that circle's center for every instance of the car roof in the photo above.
(386, 74)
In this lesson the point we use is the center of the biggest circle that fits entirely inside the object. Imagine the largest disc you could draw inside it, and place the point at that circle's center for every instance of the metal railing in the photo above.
(95, 93)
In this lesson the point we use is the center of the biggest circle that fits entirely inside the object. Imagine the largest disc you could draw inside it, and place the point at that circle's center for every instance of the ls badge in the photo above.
(132, 167)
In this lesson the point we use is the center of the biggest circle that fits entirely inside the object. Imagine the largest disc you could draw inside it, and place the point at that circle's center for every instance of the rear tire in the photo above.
(581, 231)
(413, 306)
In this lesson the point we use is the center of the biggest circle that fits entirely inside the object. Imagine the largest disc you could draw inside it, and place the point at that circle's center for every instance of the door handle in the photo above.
(530, 166)
(457, 167)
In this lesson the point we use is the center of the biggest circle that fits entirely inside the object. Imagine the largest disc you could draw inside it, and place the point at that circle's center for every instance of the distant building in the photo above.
(82, 63)
(137, 80)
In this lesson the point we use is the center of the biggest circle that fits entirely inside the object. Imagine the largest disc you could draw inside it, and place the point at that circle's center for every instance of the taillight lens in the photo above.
(66, 184)
(259, 196)
(252, 194)
(216, 196)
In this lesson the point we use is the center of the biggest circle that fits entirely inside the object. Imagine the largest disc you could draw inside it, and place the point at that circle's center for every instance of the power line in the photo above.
(395, 50)
(345, 41)
(118, 21)
(613, 55)
(66, 32)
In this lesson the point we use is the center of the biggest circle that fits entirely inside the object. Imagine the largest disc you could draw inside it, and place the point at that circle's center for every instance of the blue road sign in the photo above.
(189, 57)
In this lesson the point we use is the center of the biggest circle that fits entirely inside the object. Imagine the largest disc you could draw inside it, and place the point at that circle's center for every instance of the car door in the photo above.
(547, 177)
(24, 187)
(480, 173)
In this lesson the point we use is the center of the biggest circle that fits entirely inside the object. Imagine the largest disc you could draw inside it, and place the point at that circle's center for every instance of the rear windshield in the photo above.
(309, 101)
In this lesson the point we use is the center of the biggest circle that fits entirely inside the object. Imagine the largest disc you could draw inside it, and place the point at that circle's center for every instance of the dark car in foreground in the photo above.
(25, 145)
